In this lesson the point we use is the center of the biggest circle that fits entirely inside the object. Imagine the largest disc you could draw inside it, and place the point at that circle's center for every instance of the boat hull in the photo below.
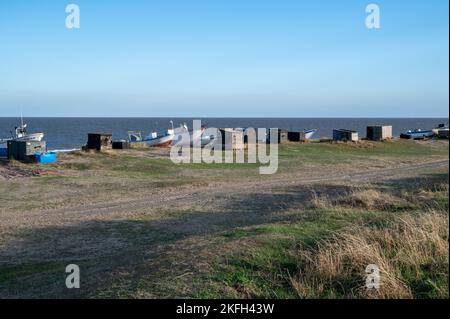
(417, 135)
(160, 141)
(309, 133)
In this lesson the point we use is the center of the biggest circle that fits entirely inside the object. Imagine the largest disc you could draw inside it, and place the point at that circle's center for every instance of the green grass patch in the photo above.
(255, 272)
(9, 273)
(330, 152)
(264, 268)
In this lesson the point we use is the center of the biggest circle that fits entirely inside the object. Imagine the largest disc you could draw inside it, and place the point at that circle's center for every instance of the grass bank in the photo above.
(402, 229)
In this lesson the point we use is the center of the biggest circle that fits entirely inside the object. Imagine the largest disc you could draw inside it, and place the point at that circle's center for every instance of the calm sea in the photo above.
(72, 132)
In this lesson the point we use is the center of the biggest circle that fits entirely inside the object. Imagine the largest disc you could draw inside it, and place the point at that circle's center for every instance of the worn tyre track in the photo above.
(168, 198)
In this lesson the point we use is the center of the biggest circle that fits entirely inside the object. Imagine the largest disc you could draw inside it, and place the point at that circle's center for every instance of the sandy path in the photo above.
(171, 198)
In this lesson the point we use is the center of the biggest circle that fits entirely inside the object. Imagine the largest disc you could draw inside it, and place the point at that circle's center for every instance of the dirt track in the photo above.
(203, 195)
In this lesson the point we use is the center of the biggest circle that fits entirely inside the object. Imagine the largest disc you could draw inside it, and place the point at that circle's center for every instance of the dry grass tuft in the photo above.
(358, 198)
(370, 199)
(427, 193)
(320, 201)
(409, 250)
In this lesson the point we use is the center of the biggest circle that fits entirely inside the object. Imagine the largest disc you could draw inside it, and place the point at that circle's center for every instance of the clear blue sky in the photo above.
(241, 58)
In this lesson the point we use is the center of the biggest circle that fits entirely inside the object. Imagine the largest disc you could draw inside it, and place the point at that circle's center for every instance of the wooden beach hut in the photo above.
(379, 132)
(282, 135)
(296, 136)
(232, 139)
(25, 150)
(120, 145)
(99, 141)
(345, 135)
(250, 136)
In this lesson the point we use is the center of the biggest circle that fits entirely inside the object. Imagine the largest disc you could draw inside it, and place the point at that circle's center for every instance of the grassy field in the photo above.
(140, 226)
(324, 254)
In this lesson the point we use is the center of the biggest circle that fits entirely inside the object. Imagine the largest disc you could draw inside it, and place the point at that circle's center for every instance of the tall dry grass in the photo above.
(408, 250)
(358, 198)
(376, 199)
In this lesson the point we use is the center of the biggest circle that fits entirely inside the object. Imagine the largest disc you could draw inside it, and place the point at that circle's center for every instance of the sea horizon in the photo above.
(240, 117)
(71, 132)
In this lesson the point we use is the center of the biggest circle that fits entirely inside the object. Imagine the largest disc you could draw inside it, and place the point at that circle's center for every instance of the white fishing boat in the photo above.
(441, 128)
(21, 134)
(154, 138)
(194, 139)
(417, 134)
(309, 133)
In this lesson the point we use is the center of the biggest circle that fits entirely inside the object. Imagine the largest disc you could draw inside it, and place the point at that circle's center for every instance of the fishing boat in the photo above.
(154, 138)
(440, 127)
(21, 134)
(309, 133)
(417, 134)
(442, 131)
(194, 139)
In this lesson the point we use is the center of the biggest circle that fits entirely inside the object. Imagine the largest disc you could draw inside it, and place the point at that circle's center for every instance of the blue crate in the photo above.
(3, 152)
(46, 158)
